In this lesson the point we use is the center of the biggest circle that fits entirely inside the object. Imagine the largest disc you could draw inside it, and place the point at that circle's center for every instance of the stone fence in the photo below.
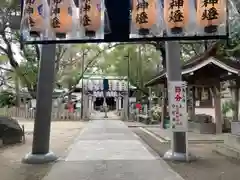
(29, 114)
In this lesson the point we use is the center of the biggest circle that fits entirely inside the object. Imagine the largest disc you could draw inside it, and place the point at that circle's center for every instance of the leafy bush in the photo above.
(156, 112)
(227, 106)
(7, 99)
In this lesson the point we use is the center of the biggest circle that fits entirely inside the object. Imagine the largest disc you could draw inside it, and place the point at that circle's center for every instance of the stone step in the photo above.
(232, 141)
(228, 151)
(190, 141)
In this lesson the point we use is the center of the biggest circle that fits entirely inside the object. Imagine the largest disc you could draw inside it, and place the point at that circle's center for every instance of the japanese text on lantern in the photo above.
(55, 11)
(176, 11)
(210, 9)
(142, 16)
(30, 10)
(86, 8)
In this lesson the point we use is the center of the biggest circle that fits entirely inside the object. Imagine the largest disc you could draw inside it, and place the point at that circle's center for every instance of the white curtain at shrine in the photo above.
(90, 85)
(97, 85)
(108, 94)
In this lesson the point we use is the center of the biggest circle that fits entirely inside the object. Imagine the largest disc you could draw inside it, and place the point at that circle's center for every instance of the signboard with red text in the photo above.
(178, 106)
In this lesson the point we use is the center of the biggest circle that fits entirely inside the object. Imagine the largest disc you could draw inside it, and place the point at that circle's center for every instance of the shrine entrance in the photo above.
(111, 103)
(90, 87)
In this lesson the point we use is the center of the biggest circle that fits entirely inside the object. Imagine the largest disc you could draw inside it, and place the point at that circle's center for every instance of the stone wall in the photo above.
(202, 128)
(202, 124)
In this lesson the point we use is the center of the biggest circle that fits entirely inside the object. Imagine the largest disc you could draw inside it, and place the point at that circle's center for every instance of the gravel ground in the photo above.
(62, 136)
(209, 166)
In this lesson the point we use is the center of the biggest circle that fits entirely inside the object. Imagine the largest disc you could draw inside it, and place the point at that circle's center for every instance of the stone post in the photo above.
(137, 114)
(89, 105)
(85, 106)
(93, 100)
(125, 106)
(217, 107)
(120, 102)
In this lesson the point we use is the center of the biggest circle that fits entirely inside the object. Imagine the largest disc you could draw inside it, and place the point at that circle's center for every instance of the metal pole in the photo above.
(178, 151)
(82, 101)
(128, 81)
(150, 101)
(40, 147)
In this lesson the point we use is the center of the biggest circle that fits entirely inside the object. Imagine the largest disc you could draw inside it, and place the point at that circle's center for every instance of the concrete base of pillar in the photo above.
(39, 158)
(174, 156)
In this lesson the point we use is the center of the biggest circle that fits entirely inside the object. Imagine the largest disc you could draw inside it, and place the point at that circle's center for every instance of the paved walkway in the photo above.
(109, 150)
(96, 115)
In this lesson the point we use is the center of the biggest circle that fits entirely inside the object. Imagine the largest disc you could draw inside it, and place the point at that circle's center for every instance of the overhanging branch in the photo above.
(85, 69)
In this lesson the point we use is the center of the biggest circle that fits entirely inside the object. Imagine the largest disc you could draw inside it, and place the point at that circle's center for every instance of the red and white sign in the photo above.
(178, 106)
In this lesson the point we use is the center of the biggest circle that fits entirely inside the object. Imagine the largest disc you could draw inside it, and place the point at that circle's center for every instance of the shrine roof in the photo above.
(198, 62)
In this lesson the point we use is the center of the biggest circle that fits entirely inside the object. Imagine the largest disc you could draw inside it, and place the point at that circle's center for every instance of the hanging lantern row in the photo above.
(209, 14)
(61, 16)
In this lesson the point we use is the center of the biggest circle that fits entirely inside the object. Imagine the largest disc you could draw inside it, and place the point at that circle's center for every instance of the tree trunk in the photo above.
(69, 94)
(161, 47)
(18, 101)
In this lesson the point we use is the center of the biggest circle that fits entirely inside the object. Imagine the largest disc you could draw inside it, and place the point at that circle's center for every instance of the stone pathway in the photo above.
(96, 115)
(109, 150)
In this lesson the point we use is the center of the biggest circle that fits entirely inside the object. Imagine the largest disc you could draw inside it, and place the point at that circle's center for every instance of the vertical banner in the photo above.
(178, 106)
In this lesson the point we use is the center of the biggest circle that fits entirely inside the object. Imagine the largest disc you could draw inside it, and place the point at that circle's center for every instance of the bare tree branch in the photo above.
(37, 51)
(138, 87)
(73, 88)
(6, 69)
(3, 50)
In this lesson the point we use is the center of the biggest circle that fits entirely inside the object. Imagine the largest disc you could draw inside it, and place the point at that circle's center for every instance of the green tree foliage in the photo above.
(143, 61)
(77, 60)
(7, 99)
(25, 65)
(227, 106)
